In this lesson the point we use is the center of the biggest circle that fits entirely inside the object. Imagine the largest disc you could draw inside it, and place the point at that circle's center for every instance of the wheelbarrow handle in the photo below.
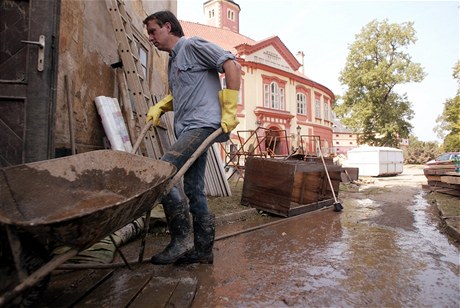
(200, 150)
(188, 163)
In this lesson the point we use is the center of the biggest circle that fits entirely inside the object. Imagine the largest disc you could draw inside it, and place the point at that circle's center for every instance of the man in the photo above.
(200, 107)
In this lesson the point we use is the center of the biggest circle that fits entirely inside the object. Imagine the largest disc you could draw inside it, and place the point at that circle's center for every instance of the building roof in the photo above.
(338, 127)
(225, 38)
(239, 45)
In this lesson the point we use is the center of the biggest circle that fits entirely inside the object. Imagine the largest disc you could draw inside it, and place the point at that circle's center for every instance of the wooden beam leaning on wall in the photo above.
(138, 90)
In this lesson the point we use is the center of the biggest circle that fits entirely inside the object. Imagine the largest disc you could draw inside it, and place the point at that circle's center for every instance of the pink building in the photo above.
(343, 138)
(276, 95)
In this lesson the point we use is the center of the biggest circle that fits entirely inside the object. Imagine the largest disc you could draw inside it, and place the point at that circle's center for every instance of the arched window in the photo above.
(274, 93)
(231, 15)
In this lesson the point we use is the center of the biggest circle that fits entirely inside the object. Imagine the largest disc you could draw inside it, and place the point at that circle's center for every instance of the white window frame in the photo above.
(274, 95)
(317, 108)
(281, 106)
(301, 103)
(266, 95)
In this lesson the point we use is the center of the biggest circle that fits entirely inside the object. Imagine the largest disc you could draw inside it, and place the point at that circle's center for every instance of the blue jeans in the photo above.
(178, 154)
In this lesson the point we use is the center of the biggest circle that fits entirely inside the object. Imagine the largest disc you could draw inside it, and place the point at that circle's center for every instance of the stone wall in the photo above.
(87, 48)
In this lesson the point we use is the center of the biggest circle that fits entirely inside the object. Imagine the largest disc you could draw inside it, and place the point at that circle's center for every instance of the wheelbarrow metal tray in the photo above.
(80, 199)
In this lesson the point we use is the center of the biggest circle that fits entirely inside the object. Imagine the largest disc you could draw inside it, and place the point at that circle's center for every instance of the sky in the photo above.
(324, 30)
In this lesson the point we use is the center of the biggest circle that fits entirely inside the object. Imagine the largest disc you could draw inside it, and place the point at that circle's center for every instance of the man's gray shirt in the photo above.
(193, 78)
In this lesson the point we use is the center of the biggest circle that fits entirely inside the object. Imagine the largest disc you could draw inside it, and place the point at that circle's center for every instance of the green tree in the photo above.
(419, 152)
(448, 127)
(376, 64)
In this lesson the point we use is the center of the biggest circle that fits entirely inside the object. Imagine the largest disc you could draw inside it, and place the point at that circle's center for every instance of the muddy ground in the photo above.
(391, 189)
(387, 248)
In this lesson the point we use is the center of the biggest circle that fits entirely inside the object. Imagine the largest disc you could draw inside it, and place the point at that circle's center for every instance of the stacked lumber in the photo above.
(443, 178)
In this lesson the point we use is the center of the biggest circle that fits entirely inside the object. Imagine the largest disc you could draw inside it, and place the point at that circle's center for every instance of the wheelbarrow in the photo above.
(78, 200)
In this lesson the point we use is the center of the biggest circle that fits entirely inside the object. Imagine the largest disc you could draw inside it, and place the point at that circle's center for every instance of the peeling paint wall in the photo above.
(87, 49)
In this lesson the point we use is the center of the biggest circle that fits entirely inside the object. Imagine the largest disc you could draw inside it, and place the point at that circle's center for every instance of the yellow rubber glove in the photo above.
(228, 101)
(156, 111)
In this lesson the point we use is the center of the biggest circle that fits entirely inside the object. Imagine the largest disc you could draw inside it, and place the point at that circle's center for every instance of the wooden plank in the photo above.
(447, 191)
(305, 208)
(156, 293)
(439, 184)
(126, 106)
(183, 293)
(167, 292)
(69, 287)
(118, 291)
(436, 171)
(267, 186)
(451, 179)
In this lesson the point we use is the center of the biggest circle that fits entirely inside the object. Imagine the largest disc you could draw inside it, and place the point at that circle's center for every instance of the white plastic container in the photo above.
(375, 161)
(113, 123)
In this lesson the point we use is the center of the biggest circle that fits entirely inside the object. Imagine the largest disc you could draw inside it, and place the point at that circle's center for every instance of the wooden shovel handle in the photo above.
(141, 136)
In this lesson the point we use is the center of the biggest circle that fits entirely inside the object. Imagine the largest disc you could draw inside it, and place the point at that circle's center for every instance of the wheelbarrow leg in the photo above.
(144, 235)
(16, 251)
(36, 276)
(117, 249)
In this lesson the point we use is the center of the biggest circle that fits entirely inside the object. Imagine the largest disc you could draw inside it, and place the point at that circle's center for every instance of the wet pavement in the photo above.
(385, 249)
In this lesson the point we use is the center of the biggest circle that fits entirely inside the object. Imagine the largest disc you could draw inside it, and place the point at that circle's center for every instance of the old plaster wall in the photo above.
(87, 49)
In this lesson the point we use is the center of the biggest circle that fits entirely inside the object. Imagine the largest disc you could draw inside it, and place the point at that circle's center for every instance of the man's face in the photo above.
(158, 35)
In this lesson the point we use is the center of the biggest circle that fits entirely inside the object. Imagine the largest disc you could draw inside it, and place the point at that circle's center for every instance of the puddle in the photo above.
(371, 254)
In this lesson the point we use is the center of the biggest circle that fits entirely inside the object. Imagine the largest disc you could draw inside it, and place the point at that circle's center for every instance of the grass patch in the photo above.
(224, 205)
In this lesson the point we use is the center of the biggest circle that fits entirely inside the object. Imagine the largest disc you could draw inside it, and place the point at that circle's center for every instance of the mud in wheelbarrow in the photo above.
(77, 200)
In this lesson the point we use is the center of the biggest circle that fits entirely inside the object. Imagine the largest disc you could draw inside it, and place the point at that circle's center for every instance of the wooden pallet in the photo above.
(118, 288)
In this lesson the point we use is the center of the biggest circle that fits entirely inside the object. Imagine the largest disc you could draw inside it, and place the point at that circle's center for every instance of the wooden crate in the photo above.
(289, 187)
(349, 174)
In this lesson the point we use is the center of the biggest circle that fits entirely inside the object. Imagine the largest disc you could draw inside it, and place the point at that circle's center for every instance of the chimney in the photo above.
(300, 57)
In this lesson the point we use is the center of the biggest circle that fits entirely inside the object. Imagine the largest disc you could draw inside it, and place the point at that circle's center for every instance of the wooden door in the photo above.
(28, 70)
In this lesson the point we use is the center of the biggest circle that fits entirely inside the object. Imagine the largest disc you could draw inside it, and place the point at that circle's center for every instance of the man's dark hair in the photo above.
(163, 17)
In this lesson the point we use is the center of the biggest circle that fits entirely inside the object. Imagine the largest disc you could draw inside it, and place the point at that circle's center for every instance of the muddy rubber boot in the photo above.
(180, 230)
(204, 230)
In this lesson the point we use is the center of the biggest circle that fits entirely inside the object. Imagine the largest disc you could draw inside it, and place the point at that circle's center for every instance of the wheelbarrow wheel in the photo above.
(33, 255)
